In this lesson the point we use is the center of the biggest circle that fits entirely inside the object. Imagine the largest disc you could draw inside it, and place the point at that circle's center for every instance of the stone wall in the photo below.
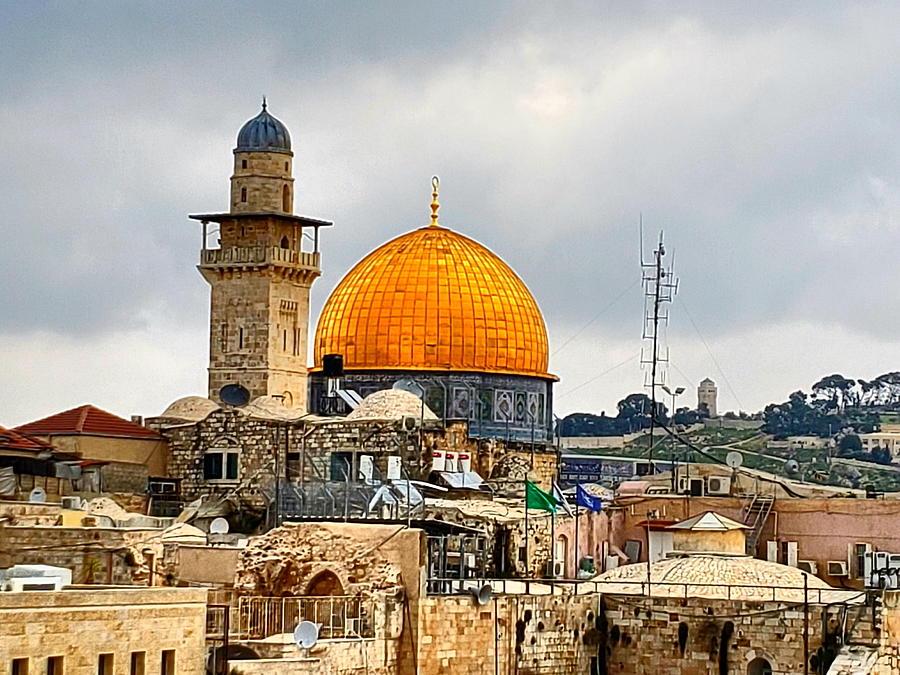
(80, 624)
(673, 636)
(512, 633)
(264, 176)
(124, 477)
(96, 555)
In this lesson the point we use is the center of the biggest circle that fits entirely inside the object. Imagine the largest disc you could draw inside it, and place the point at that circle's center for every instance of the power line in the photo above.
(595, 317)
(596, 377)
(711, 355)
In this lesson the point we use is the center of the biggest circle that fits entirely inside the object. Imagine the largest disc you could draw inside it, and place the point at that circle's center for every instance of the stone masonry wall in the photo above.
(521, 634)
(671, 636)
(79, 625)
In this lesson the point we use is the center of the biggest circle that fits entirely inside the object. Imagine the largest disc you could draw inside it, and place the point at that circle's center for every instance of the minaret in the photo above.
(260, 272)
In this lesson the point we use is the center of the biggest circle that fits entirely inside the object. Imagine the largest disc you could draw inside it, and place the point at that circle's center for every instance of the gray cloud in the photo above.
(763, 139)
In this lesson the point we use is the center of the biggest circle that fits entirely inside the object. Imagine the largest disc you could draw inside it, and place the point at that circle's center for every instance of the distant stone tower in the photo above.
(706, 395)
(259, 273)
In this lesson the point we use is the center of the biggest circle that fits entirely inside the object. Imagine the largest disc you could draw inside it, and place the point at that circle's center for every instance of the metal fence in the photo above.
(255, 618)
(661, 589)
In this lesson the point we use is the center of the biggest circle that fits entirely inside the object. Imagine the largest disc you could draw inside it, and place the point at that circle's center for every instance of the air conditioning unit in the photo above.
(837, 568)
(553, 570)
(808, 566)
(71, 503)
(718, 485)
(684, 484)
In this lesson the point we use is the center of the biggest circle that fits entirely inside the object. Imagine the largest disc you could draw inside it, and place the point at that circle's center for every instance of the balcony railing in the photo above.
(255, 618)
(258, 255)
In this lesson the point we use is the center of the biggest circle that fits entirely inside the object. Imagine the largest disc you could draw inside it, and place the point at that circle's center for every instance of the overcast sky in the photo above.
(763, 138)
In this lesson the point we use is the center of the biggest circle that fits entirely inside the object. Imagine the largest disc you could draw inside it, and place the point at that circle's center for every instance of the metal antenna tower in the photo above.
(660, 287)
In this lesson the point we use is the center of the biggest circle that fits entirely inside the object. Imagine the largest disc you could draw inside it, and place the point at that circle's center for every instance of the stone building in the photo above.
(104, 630)
(707, 393)
(113, 454)
(260, 271)
(440, 310)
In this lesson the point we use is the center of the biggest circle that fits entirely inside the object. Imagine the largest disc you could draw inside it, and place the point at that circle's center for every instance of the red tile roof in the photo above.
(88, 420)
(13, 440)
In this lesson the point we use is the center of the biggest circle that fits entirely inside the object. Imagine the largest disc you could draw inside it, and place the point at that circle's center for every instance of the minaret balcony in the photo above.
(259, 256)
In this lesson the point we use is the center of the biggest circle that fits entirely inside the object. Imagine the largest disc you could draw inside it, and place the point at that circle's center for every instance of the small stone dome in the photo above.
(190, 408)
(390, 404)
(264, 133)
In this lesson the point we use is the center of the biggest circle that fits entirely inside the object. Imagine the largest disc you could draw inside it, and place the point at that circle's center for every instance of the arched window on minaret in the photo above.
(286, 199)
(243, 194)
(284, 242)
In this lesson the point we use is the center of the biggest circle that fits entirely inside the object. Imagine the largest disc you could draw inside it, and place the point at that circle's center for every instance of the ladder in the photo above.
(756, 513)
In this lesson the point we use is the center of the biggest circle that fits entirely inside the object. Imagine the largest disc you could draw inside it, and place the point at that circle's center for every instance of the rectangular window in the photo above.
(859, 559)
(221, 465)
(241, 337)
(54, 665)
(19, 667)
(167, 662)
(223, 340)
(284, 340)
(137, 663)
(105, 664)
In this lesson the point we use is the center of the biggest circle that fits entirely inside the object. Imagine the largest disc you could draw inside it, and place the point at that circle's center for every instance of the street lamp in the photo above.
(678, 391)
(673, 393)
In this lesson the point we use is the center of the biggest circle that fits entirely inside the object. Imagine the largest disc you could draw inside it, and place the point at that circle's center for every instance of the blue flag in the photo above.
(587, 500)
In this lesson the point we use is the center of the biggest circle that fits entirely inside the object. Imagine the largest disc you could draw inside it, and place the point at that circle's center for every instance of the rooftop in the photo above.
(88, 420)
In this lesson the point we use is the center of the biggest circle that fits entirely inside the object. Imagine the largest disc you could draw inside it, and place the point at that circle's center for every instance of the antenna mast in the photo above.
(660, 287)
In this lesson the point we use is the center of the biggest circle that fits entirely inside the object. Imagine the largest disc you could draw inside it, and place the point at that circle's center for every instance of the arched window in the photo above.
(286, 199)
(759, 666)
(243, 163)
(284, 242)
(243, 194)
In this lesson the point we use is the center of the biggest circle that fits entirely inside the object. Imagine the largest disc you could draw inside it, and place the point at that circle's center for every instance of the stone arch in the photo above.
(759, 666)
(325, 583)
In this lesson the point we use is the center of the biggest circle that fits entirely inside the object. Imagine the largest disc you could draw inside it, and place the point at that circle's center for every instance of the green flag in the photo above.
(535, 498)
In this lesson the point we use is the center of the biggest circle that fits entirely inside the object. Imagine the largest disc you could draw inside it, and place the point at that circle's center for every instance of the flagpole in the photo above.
(527, 537)
(577, 555)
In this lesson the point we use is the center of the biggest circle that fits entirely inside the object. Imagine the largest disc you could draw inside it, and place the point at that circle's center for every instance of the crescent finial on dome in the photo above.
(435, 204)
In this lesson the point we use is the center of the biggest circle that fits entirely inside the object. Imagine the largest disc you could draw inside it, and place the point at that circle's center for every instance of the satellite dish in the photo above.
(734, 459)
(792, 467)
(218, 526)
(306, 634)
(482, 594)
(37, 496)
(235, 395)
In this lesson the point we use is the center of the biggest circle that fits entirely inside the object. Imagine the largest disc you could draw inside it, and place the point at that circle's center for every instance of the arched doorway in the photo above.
(325, 583)
(759, 666)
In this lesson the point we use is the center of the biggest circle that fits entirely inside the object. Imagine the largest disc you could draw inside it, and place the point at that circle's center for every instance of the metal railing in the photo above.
(663, 589)
(255, 618)
(257, 255)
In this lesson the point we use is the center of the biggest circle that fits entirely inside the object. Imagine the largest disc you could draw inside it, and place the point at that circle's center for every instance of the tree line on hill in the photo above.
(837, 407)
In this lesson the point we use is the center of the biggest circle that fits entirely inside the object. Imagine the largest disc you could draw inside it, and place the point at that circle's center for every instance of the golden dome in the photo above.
(432, 299)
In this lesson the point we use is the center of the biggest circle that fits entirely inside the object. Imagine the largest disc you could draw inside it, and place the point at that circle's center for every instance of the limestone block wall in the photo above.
(263, 175)
(79, 625)
(124, 477)
(96, 555)
(670, 636)
(521, 634)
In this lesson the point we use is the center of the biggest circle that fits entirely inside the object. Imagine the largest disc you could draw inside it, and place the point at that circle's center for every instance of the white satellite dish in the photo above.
(37, 496)
(306, 634)
(218, 526)
(734, 459)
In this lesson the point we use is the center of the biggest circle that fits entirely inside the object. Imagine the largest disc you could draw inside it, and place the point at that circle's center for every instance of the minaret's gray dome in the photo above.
(264, 133)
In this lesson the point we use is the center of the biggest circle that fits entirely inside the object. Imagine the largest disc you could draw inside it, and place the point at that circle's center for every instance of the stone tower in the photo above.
(260, 271)
(706, 395)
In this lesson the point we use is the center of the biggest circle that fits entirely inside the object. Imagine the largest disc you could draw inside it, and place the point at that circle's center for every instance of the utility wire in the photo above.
(596, 377)
(595, 317)
(709, 351)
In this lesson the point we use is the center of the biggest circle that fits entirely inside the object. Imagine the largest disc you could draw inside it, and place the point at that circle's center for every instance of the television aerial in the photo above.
(306, 634)
(234, 395)
(734, 459)
(219, 526)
